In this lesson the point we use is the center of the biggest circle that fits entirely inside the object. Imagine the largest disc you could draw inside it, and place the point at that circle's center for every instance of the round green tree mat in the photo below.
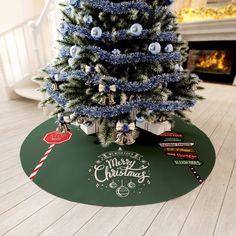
(153, 170)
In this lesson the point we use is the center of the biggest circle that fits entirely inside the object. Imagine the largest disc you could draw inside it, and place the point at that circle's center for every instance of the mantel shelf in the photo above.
(210, 30)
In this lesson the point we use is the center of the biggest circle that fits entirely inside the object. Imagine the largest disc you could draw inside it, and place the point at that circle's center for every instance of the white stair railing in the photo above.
(26, 48)
(37, 27)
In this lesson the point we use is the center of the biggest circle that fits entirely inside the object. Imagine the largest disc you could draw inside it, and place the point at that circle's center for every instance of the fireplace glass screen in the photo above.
(210, 61)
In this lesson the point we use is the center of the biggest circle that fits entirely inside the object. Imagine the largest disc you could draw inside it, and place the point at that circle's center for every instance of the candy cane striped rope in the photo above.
(41, 162)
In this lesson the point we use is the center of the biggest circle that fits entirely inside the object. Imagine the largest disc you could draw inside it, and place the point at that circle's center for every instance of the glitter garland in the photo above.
(146, 86)
(121, 85)
(64, 52)
(118, 8)
(108, 111)
(121, 34)
(130, 106)
(118, 35)
(129, 58)
(56, 96)
(133, 58)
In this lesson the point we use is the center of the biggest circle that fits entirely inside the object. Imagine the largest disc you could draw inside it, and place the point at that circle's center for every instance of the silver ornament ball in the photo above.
(136, 29)
(154, 48)
(169, 48)
(96, 32)
(75, 50)
(63, 27)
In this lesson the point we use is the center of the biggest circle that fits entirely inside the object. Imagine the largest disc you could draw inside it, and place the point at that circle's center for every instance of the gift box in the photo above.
(155, 128)
(92, 129)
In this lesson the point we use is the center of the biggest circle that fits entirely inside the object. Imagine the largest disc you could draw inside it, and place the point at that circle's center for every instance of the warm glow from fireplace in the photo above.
(216, 60)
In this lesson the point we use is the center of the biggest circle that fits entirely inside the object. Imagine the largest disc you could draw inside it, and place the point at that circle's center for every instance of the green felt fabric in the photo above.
(147, 174)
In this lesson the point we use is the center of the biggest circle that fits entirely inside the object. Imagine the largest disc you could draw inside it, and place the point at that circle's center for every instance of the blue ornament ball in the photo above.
(96, 32)
(72, 2)
(75, 50)
(169, 48)
(116, 51)
(154, 48)
(125, 128)
(140, 119)
(88, 19)
(136, 29)
(63, 27)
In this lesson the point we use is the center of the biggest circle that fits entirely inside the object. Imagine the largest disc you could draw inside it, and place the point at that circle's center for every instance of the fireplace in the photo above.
(213, 61)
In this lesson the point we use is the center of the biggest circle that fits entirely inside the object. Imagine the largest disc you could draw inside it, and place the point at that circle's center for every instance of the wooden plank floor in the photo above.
(210, 209)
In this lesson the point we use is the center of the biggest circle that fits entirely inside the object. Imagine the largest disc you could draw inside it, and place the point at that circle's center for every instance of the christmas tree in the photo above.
(118, 63)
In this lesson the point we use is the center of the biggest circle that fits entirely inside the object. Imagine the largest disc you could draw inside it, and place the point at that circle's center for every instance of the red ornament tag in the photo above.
(56, 137)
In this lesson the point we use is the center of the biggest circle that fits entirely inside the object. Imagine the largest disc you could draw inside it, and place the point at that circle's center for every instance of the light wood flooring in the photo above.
(210, 209)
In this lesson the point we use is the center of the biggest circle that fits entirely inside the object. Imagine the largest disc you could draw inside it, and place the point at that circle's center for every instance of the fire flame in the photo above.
(216, 60)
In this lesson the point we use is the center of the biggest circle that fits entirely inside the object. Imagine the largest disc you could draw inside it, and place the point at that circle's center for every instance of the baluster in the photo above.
(2, 69)
(35, 43)
(10, 61)
(4, 90)
(18, 54)
(29, 62)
